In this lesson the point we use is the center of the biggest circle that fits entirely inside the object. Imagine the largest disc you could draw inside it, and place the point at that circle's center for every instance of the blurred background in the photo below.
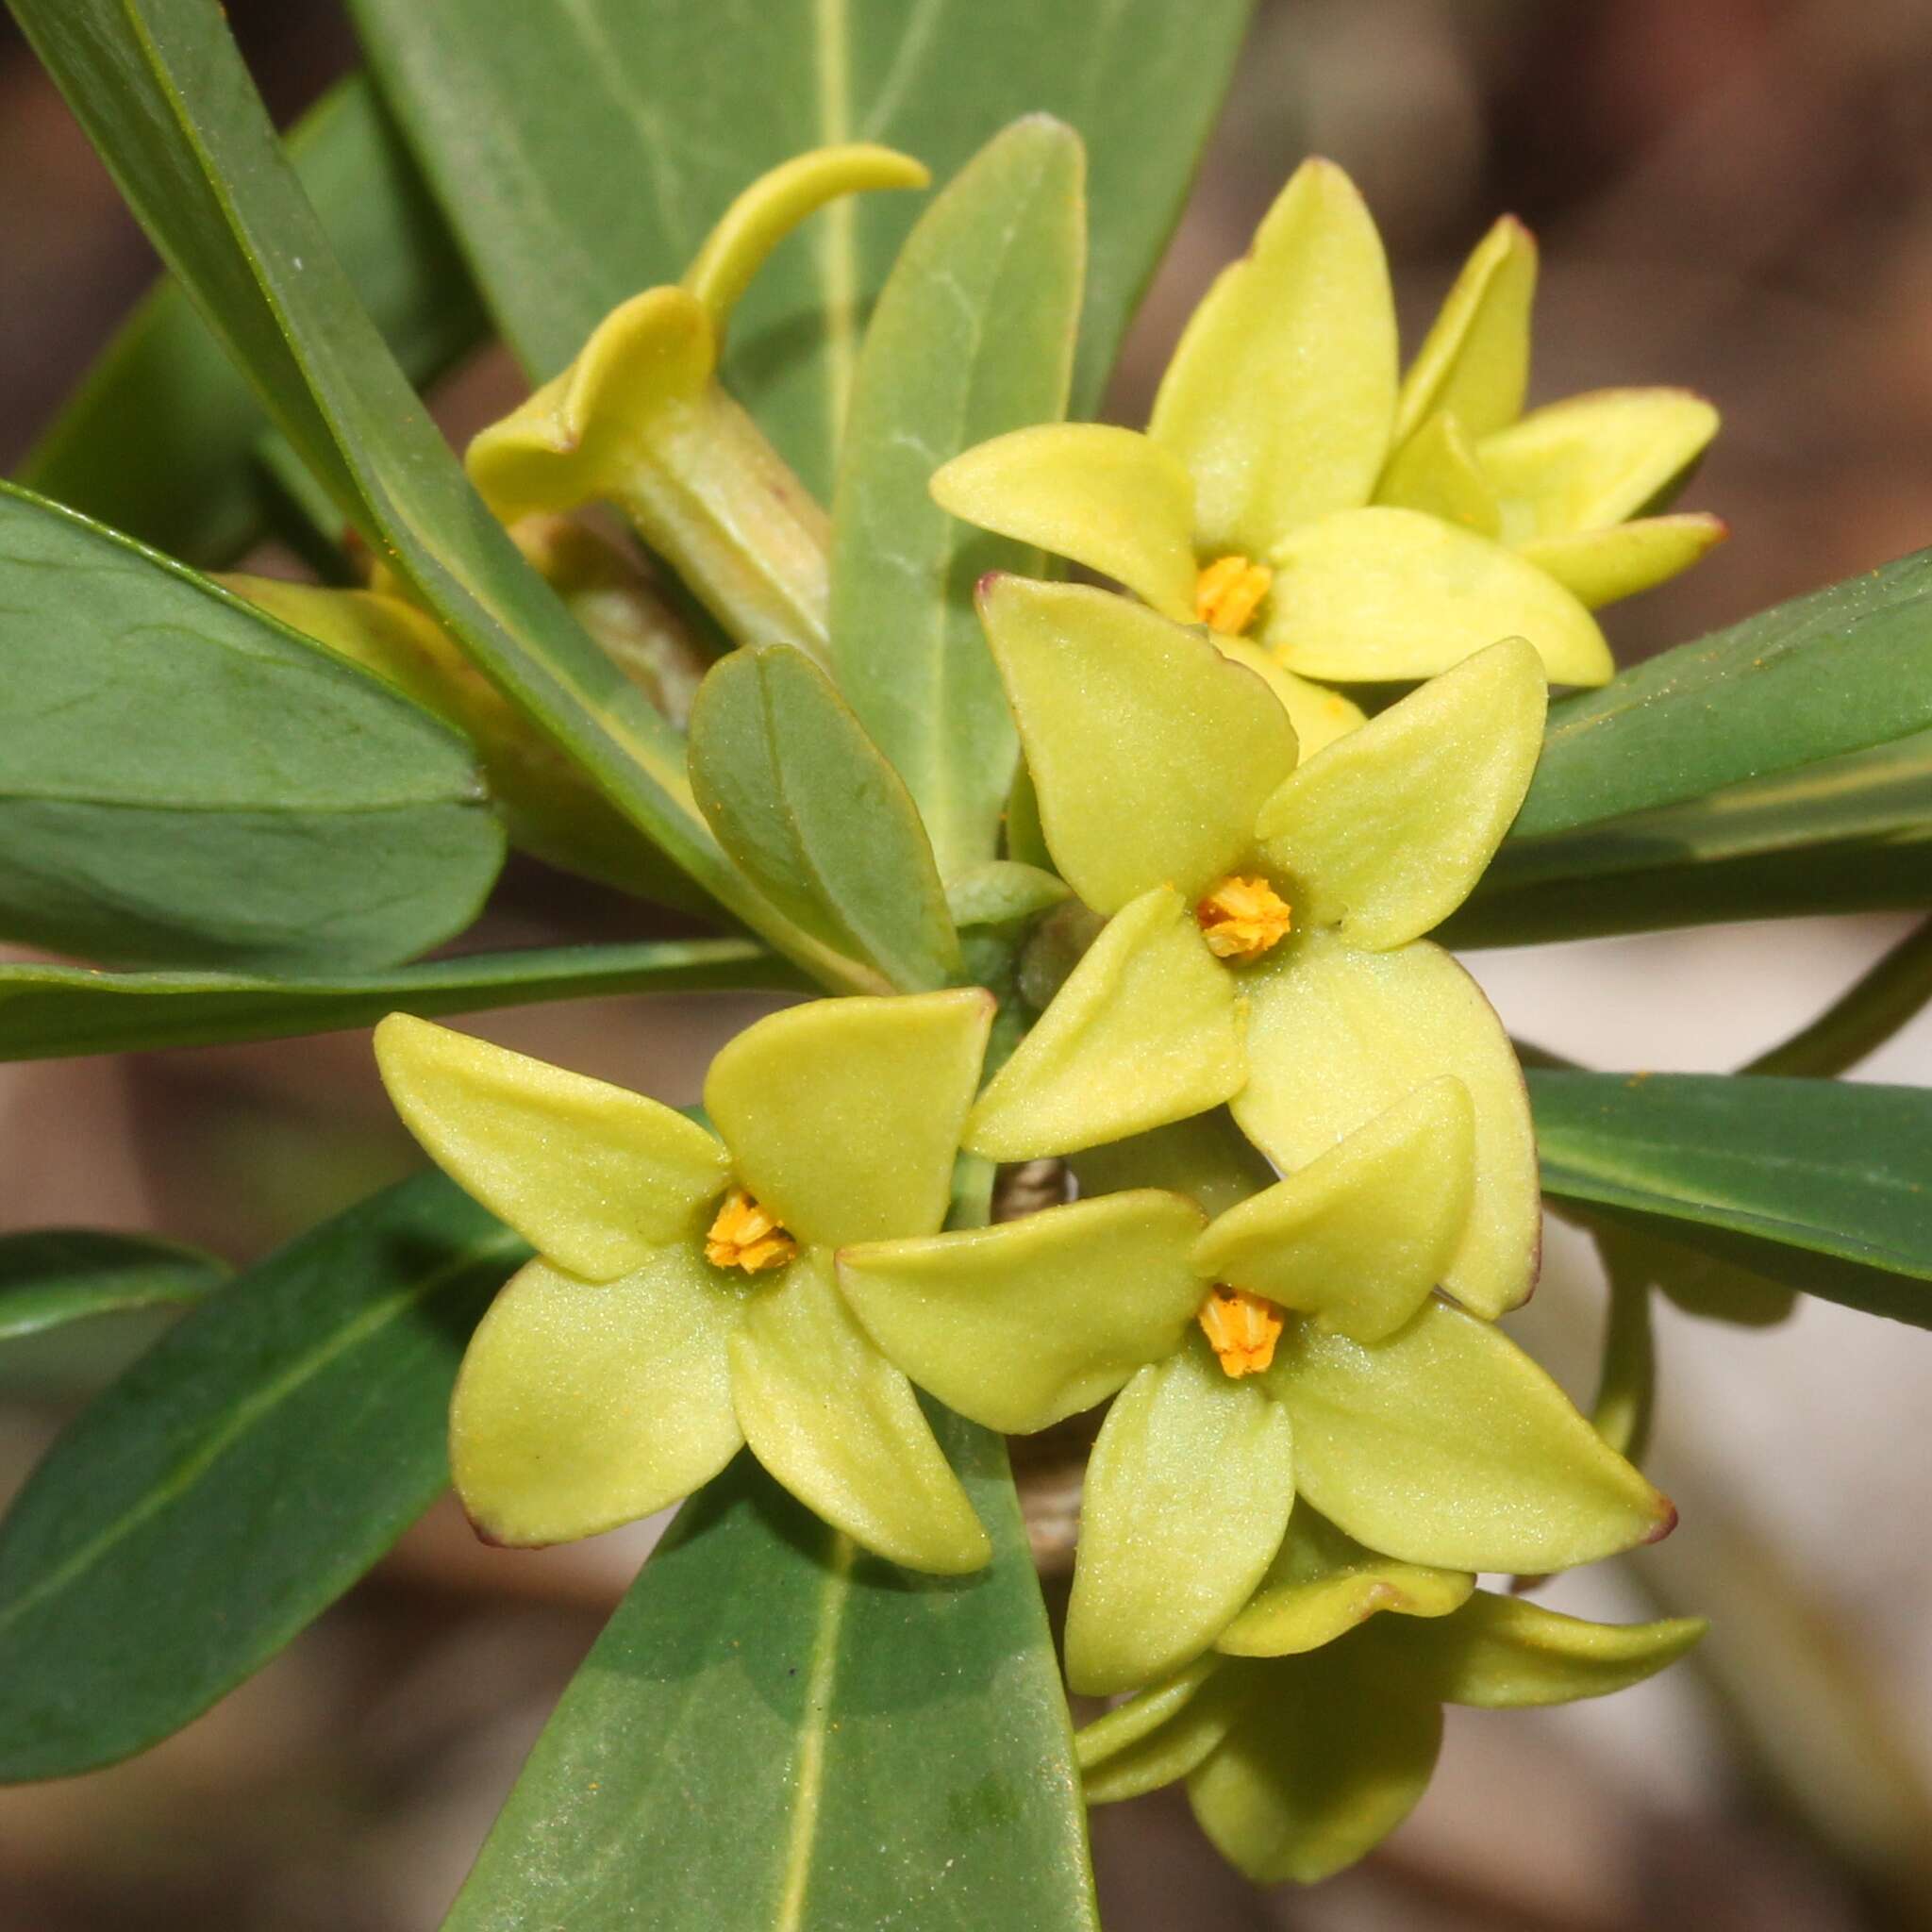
(1735, 195)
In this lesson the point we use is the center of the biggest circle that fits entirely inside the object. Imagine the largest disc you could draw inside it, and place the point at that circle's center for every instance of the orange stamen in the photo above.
(1242, 1329)
(745, 1236)
(1240, 918)
(1229, 592)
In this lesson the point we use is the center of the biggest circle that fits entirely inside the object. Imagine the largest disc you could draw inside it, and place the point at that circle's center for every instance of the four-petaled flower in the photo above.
(1291, 1345)
(1297, 1765)
(1367, 529)
(1170, 799)
(683, 1302)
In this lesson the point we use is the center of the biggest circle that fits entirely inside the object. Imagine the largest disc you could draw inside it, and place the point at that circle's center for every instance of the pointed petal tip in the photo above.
(1666, 1522)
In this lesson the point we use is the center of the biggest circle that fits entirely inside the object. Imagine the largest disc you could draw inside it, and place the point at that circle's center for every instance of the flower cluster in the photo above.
(1305, 1172)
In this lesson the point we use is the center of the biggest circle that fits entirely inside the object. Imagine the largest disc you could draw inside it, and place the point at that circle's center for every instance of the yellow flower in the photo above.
(1366, 529)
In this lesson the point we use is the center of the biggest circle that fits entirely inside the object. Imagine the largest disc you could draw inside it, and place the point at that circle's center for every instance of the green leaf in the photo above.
(1844, 667)
(1816, 1182)
(49, 1012)
(161, 440)
(802, 799)
(51, 1275)
(238, 1479)
(189, 783)
(1856, 876)
(777, 1731)
(635, 127)
(972, 336)
(162, 92)
(1844, 835)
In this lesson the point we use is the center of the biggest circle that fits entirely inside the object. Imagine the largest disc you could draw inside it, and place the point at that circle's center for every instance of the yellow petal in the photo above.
(1107, 498)
(1380, 594)
(646, 364)
(1597, 566)
(1337, 1036)
(825, 1413)
(1360, 1236)
(1384, 835)
(1595, 459)
(843, 1116)
(1158, 1737)
(775, 202)
(1324, 1761)
(1319, 715)
(1146, 1029)
(1150, 751)
(1019, 1324)
(1446, 1445)
(1475, 361)
(593, 1175)
(1502, 1653)
(1281, 395)
(1436, 471)
(583, 1405)
(1188, 1493)
(1322, 1584)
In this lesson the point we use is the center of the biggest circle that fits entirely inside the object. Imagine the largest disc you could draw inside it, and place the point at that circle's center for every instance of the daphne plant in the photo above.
(1127, 1089)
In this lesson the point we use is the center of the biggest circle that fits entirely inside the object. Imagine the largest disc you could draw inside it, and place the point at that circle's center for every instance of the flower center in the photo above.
(745, 1236)
(1241, 1328)
(1240, 918)
(1228, 591)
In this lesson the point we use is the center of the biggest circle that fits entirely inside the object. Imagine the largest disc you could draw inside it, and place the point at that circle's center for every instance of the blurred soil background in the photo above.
(1733, 194)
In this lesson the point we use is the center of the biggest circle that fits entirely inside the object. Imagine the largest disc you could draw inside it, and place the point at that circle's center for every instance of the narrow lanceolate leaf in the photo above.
(189, 783)
(1814, 1182)
(161, 90)
(636, 125)
(1847, 667)
(57, 1274)
(238, 1479)
(1846, 834)
(803, 801)
(777, 1732)
(51, 1012)
(161, 438)
(973, 337)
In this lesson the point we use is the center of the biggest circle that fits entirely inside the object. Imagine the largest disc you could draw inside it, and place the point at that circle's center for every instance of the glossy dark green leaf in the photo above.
(1847, 667)
(802, 799)
(584, 152)
(972, 336)
(1822, 1184)
(161, 90)
(773, 1732)
(239, 1477)
(189, 783)
(56, 1275)
(50, 1012)
(1844, 834)
(159, 440)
